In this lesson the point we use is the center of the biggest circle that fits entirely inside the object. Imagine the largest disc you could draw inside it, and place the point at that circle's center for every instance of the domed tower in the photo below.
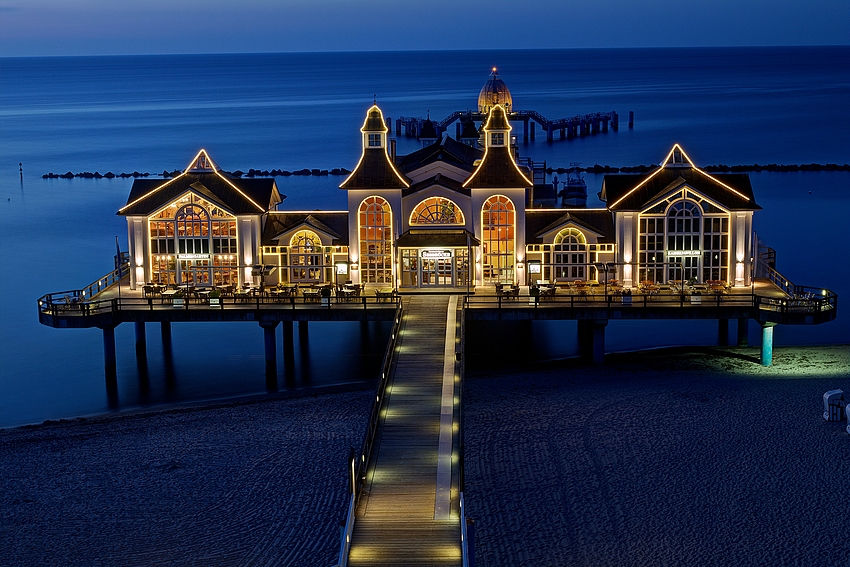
(494, 92)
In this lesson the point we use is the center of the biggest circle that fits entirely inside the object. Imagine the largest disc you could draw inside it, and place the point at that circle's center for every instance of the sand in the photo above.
(667, 458)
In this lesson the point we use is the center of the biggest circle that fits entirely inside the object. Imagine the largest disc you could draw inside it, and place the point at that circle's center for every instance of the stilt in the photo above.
(597, 329)
(631, 119)
(767, 344)
(722, 332)
(743, 328)
(582, 339)
(288, 352)
(304, 348)
(109, 359)
(270, 344)
(525, 130)
(141, 340)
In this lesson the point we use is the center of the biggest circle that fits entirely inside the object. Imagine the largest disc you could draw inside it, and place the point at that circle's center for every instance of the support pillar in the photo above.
(597, 336)
(533, 127)
(141, 340)
(109, 358)
(722, 332)
(288, 352)
(525, 130)
(767, 344)
(743, 328)
(270, 344)
(583, 339)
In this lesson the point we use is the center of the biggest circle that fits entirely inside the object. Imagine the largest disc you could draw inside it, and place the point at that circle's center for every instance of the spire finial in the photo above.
(375, 99)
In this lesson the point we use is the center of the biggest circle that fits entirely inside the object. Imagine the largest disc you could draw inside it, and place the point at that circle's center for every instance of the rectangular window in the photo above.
(497, 139)
(374, 140)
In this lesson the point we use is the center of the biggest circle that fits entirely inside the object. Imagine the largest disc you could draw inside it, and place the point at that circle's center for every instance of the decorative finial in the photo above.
(375, 99)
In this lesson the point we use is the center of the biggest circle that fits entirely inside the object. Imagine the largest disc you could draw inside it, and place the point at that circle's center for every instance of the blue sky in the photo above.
(117, 27)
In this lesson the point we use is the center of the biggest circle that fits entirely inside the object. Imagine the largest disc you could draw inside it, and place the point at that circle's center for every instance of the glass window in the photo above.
(437, 210)
(498, 218)
(375, 226)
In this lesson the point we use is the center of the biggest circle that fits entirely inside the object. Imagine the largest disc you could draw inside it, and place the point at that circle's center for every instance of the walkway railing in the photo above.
(359, 461)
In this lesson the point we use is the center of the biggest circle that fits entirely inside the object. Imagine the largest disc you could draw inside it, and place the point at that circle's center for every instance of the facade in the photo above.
(449, 215)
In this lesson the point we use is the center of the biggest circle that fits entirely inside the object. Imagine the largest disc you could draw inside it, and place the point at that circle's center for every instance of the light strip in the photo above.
(687, 157)
(226, 180)
(386, 155)
(487, 149)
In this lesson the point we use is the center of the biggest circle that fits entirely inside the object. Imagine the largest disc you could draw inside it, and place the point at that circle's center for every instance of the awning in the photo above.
(422, 238)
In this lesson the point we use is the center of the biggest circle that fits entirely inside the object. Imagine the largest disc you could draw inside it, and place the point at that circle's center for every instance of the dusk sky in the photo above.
(112, 27)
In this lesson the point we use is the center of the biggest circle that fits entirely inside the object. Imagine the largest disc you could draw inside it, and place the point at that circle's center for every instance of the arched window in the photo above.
(569, 255)
(684, 224)
(375, 225)
(498, 218)
(436, 210)
(305, 257)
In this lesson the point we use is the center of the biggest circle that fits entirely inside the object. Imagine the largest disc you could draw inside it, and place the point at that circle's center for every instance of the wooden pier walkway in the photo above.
(408, 514)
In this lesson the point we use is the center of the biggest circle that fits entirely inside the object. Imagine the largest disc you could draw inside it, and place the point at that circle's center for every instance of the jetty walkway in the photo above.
(409, 509)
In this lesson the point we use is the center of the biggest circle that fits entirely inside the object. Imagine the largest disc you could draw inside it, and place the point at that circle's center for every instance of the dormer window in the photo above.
(497, 139)
(374, 140)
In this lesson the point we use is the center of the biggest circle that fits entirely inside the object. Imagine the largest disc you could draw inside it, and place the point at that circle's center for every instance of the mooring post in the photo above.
(767, 344)
(743, 328)
(631, 119)
(141, 340)
(270, 344)
(722, 332)
(615, 121)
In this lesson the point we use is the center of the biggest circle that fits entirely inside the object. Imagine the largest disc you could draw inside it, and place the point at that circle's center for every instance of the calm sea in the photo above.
(291, 111)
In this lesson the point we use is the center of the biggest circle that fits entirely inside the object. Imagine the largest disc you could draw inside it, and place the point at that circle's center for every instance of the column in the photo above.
(270, 344)
(109, 357)
(767, 344)
(165, 331)
(598, 341)
(722, 332)
(743, 327)
(141, 340)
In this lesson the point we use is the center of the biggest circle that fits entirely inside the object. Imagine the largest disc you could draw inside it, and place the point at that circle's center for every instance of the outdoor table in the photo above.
(168, 295)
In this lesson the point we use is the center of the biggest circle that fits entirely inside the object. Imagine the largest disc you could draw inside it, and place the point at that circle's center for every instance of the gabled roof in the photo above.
(539, 222)
(634, 192)
(497, 169)
(332, 223)
(202, 176)
(437, 180)
(447, 150)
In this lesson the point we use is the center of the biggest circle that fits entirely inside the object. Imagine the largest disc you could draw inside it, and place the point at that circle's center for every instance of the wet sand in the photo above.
(698, 457)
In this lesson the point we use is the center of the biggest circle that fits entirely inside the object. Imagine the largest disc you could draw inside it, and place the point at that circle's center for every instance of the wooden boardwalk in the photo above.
(408, 514)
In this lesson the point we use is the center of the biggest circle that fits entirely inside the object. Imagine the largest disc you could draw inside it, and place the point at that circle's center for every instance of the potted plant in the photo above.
(215, 296)
(627, 296)
(325, 292)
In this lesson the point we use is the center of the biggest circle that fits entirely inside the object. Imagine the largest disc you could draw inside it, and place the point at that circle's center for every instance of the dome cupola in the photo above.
(494, 92)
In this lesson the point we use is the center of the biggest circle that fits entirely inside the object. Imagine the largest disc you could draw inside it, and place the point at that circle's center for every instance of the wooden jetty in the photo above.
(574, 127)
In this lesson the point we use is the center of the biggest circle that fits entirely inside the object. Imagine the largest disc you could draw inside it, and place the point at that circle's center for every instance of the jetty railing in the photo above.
(359, 461)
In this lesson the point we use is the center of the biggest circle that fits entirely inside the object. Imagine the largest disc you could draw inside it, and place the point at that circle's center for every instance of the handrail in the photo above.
(464, 535)
(357, 467)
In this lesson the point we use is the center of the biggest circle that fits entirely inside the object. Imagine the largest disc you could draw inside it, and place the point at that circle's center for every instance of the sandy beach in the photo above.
(699, 457)
(679, 458)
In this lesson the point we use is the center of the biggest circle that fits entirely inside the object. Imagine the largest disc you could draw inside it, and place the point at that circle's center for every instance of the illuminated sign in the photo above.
(674, 253)
(435, 254)
(342, 268)
(533, 267)
(193, 256)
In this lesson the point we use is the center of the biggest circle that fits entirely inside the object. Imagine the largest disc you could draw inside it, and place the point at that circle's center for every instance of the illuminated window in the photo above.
(374, 140)
(436, 210)
(497, 229)
(497, 139)
(305, 257)
(569, 255)
(375, 222)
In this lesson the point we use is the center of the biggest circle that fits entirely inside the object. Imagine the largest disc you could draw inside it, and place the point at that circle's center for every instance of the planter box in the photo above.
(215, 302)
(627, 300)
(696, 300)
(177, 302)
(326, 301)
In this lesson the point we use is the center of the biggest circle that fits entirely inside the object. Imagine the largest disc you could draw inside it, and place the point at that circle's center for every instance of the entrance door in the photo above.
(437, 272)
(195, 272)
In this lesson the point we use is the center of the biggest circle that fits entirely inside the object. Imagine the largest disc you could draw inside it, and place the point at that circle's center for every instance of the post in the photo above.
(165, 331)
(631, 119)
(767, 344)
(533, 127)
(722, 332)
(743, 327)
(270, 344)
(141, 340)
(109, 357)
(598, 341)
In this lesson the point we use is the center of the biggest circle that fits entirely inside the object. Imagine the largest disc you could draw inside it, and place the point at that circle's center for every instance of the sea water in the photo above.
(294, 111)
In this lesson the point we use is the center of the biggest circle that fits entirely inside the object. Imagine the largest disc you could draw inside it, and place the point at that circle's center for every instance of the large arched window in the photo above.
(436, 210)
(684, 224)
(305, 257)
(375, 225)
(569, 255)
(498, 218)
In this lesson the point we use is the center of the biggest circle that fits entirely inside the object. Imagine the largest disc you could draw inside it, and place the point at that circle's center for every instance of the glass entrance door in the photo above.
(437, 272)
(195, 272)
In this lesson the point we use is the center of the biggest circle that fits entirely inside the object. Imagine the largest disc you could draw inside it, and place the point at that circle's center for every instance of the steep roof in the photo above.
(447, 150)
(332, 223)
(497, 169)
(539, 222)
(375, 170)
(238, 196)
(636, 191)
(438, 180)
